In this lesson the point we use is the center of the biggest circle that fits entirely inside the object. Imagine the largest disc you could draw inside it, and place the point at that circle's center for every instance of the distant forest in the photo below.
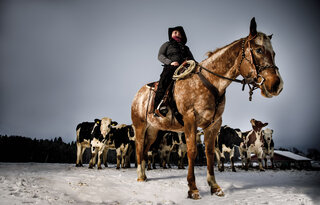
(23, 149)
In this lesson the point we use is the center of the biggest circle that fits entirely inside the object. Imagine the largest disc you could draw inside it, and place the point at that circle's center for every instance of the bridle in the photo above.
(252, 84)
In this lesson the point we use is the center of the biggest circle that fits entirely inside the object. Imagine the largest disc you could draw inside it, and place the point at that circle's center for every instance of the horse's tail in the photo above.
(148, 103)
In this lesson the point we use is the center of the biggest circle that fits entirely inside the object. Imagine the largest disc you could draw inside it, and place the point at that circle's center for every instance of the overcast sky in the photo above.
(65, 62)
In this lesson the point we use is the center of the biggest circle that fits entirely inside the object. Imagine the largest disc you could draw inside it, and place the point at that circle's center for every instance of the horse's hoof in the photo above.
(90, 167)
(262, 170)
(194, 194)
(234, 170)
(99, 168)
(142, 179)
(217, 191)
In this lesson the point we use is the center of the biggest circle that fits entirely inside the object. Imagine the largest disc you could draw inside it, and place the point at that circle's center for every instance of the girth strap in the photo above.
(214, 91)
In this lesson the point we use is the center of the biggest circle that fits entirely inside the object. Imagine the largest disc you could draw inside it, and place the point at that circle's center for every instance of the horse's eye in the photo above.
(259, 50)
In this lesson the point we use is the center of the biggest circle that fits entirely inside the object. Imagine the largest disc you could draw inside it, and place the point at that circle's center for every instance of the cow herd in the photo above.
(256, 141)
(104, 134)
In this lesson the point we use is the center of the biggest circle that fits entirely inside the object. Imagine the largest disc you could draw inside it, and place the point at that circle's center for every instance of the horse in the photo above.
(200, 99)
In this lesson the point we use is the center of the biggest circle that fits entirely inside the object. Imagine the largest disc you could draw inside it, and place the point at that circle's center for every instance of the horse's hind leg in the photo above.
(140, 138)
(144, 140)
(210, 135)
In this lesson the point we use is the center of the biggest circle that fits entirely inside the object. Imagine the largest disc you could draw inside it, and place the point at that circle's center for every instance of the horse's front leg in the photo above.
(210, 135)
(190, 132)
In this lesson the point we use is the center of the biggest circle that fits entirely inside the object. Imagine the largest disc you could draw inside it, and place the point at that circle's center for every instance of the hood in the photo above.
(181, 30)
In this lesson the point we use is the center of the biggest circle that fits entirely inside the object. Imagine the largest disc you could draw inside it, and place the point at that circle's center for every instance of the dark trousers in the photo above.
(164, 82)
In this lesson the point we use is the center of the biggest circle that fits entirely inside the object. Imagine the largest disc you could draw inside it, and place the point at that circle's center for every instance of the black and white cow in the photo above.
(182, 149)
(227, 141)
(253, 143)
(84, 132)
(166, 143)
(268, 148)
(122, 139)
(98, 144)
(154, 150)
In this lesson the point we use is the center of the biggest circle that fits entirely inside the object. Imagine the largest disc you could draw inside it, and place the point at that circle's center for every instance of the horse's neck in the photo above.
(224, 61)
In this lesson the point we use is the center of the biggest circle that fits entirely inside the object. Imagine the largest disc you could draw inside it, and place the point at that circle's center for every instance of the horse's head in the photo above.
(258, 65)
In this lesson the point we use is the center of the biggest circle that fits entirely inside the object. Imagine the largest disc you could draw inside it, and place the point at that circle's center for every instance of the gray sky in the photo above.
(65, 62)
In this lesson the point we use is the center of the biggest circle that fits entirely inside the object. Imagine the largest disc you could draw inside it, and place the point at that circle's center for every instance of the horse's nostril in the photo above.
(275, 86)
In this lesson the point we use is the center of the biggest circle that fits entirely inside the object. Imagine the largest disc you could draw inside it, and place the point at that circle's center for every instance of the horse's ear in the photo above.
(270, 36)
(253, 27)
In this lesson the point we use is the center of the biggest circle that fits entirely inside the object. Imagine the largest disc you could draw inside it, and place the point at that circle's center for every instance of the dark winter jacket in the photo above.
(172, 50)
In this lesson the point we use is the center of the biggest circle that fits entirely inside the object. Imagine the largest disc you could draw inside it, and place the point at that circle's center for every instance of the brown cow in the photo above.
(253, 143)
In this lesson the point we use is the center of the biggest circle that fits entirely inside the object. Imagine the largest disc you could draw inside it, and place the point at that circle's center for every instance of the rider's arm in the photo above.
(162, 54)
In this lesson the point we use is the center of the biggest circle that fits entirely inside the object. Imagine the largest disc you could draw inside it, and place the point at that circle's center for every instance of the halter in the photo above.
(253, 85)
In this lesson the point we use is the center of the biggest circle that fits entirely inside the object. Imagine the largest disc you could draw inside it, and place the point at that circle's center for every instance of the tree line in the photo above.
(23, 149)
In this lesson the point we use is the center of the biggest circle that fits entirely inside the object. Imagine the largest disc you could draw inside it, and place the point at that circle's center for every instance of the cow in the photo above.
(154, 150)
(182, 149)
(165, 143)
(122, 139)
(84, 132)
(227, 140)
(253, 143)
(268, 148)
(201, 158)
(98, 143)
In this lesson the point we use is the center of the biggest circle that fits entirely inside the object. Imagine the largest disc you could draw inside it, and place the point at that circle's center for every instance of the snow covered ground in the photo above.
(35, 183)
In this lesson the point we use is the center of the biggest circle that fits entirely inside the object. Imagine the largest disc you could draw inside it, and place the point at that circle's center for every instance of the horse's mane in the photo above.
(210, 53)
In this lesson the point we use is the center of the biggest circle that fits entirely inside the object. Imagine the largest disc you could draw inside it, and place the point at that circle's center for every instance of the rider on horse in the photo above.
(172, 54)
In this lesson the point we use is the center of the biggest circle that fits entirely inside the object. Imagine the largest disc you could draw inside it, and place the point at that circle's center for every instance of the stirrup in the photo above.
(157, 113)
(161, 111)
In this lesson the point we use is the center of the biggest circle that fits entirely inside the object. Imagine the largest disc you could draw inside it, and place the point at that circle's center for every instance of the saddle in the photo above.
(168, 100)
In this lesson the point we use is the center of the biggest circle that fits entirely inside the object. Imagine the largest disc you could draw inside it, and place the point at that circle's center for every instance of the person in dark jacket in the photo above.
(172, 54)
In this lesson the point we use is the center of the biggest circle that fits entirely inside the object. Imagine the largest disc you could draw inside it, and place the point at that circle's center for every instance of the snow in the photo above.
(37, 183)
